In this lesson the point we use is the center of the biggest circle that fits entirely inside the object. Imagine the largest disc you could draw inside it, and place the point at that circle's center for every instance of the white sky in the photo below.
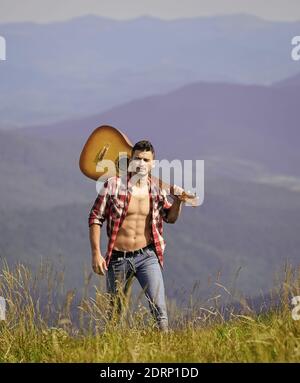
(54, 10)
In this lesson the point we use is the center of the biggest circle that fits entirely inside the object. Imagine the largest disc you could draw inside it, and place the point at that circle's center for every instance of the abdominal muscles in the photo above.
(135, 231)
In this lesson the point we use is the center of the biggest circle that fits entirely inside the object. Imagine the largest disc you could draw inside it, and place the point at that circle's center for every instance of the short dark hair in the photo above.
(143, 145)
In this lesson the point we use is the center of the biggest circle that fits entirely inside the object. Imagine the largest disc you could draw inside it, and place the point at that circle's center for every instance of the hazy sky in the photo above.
(51, 10)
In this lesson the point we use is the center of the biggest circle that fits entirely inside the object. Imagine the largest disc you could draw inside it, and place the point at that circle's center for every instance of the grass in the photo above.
(39, 329)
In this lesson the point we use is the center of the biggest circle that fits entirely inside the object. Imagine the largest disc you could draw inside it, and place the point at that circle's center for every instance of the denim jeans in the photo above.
(146, 268)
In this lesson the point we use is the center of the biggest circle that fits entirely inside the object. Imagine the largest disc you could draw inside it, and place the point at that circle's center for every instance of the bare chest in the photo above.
(139, 203)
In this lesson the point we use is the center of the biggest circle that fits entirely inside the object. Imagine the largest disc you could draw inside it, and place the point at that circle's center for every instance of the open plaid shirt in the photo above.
(112, 204)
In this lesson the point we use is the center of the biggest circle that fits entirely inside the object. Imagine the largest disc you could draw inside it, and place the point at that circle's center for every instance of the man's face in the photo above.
(141, 162)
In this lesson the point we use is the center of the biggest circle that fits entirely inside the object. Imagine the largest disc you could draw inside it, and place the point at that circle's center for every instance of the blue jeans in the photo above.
(146, 268)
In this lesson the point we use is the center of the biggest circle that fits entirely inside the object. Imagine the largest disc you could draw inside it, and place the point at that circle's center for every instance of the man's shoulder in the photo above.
(114, 184)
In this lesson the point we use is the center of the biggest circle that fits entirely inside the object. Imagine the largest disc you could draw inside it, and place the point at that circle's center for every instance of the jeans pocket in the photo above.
(150, 252)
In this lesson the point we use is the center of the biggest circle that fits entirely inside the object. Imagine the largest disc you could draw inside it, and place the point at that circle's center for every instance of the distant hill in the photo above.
(38, 173)
(89, 64)
(249, 122)
(291, 82)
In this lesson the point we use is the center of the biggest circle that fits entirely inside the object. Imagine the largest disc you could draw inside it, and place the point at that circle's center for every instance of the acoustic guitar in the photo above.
(107, 146)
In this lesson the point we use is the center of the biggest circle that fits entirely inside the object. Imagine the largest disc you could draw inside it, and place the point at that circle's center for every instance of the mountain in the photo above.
(38, 173)
(87, 65)
(253, 123)
(289, 82)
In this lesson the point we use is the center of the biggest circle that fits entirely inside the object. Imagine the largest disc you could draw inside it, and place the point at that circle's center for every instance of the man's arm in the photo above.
(96, 219)
(98, 262)
(174, 211)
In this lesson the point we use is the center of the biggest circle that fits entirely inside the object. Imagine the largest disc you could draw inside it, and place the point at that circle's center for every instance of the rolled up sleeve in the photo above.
(97, 213)
(166, 206)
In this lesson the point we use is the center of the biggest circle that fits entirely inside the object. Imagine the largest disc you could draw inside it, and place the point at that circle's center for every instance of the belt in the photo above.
(127, 254)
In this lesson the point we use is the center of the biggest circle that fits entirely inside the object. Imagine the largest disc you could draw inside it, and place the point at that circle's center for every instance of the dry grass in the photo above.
(39, 329)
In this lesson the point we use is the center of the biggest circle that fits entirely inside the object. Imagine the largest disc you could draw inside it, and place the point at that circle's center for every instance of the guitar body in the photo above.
(105, 143)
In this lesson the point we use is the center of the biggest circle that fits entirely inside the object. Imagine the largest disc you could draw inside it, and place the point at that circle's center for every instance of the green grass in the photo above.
(28, 336)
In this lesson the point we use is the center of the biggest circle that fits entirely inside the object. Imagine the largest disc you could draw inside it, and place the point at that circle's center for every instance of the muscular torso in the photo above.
(135, 231)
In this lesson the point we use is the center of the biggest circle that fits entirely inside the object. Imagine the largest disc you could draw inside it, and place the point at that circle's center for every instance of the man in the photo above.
(134, 210)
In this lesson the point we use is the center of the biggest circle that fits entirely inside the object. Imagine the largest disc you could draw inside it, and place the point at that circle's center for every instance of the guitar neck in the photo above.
(188, 198)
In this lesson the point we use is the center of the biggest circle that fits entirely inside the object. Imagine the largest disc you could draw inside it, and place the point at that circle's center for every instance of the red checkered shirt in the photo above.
(112, 204)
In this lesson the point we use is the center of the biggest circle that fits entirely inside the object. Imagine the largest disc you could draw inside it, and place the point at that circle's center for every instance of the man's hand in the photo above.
(98, 263)
(178, 194)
